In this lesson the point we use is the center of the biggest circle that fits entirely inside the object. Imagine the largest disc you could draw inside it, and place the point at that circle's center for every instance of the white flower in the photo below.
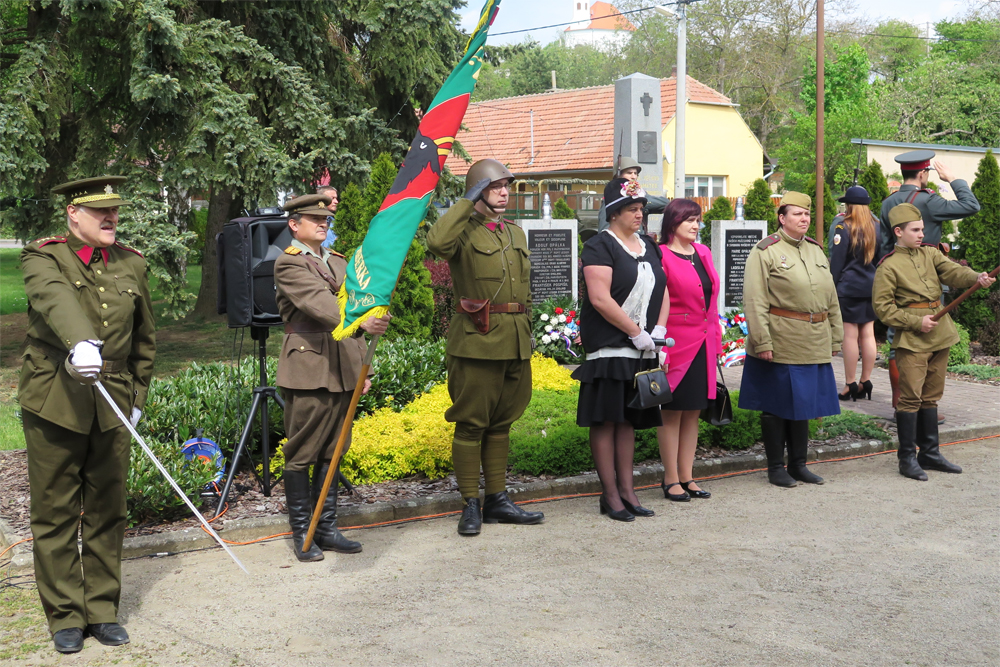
(562, 318)
(548, 328)
(567, 331)
(545, 317)
(546, 339)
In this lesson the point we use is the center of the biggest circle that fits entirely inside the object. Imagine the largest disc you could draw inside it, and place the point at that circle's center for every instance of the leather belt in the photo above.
(107, 365)
(812, 318)
(306, 327)
(925, 304)
(498, 308)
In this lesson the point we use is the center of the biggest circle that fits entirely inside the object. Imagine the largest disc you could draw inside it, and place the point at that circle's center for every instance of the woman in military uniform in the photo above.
(793, 316)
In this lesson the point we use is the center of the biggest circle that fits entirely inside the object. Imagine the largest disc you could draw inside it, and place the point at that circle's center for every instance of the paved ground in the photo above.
(869, 569)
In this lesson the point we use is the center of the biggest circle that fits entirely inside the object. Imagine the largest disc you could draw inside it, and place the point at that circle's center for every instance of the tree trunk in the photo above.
(220, 203)
(179, 204)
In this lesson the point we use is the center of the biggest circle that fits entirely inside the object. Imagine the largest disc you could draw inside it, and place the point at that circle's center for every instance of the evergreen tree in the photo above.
(350, 223)
(562, 211)
(873, 180)
(980, 238)
(721, 209)
(758, 205)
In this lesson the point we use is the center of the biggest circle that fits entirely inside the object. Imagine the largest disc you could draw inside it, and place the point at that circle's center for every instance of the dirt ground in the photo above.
(870, 568)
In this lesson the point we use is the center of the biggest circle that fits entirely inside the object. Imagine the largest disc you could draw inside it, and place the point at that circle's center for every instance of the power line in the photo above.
(594, 18)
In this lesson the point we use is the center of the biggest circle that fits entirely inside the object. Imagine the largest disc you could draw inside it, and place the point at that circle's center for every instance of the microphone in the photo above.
(669, 342)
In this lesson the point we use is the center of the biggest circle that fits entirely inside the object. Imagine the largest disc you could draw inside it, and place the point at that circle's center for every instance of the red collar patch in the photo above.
(86, 254)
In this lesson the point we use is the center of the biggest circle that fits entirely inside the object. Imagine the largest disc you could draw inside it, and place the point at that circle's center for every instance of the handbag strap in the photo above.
(721, 375)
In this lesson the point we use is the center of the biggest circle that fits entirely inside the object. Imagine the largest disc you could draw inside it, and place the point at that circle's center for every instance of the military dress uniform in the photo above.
(78, 449)
(489, 371)
(792, 311)
(907, 288)
(317, 376)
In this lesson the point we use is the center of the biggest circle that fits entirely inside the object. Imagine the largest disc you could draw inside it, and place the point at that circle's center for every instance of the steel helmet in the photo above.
(488, 168)
(627, 163)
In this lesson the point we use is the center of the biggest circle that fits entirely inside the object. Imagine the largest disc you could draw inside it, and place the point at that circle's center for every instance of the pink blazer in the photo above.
(691, 321)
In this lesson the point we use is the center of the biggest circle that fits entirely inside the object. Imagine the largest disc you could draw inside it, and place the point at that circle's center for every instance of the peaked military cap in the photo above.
(793, 198)
(915, 160)
(308, 205)
(900, 214)
(97, 192)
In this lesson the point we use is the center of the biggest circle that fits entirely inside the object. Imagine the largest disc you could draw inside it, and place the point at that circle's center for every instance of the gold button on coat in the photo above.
(104, 306)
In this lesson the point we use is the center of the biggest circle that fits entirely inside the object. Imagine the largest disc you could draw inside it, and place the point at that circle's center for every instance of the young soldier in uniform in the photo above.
(316, 373)
(90, 318)
(934, 209)
(629, 168)
(489, 342)
(907, 292)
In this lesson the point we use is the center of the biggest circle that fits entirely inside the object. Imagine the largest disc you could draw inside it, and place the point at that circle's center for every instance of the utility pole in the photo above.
(820, 101)
(681, 93)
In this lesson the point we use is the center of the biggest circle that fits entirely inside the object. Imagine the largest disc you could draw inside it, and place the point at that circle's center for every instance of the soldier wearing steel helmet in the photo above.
(629, 168)
(489, 341)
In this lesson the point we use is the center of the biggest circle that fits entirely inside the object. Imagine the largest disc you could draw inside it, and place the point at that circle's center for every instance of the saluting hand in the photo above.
(985, 280)
(927, 324)
(942, 171)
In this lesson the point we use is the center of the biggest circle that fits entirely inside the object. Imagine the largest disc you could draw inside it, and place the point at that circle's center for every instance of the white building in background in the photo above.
(595, 24)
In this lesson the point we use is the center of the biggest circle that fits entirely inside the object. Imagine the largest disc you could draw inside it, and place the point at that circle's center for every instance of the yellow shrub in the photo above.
(546, 373)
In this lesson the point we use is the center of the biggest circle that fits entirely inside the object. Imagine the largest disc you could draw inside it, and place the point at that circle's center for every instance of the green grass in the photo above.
(23, 621)
(11, 433)
(978, 371)
(11, 284)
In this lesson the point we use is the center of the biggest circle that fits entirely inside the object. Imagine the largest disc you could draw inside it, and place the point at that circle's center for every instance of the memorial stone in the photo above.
(553, 246)
(638, 125)
(732, 241)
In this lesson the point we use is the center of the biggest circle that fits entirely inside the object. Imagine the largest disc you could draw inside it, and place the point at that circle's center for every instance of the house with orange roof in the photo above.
(597, 24)
(563, 142)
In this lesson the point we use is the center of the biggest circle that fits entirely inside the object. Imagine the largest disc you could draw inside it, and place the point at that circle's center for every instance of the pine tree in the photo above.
(758, 205)
(873, 180)
(721, 209)
(980, 237)
(562, 211)
(350, 224)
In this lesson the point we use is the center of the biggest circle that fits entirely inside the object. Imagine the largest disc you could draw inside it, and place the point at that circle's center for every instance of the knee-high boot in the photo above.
(300, 506)
(798, 449)
(906, 429)
(773, 432)
(930, 457)
(328, 537)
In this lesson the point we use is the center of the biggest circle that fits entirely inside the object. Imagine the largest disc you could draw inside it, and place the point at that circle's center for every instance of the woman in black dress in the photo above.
(624, 309)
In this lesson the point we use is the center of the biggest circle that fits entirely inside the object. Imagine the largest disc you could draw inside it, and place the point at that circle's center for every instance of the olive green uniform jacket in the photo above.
(71, 299)
(914, 275)
(934, 209)
(490, 265)
(793, 275)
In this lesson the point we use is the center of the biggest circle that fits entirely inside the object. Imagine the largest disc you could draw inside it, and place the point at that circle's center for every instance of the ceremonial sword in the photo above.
(159, 466)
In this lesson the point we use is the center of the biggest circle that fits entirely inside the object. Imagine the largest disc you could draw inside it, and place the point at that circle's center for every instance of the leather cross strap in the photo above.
(792, 315)
(932, 304)
(107, 365)
(306, 328)
(497, 308)
(324, 275)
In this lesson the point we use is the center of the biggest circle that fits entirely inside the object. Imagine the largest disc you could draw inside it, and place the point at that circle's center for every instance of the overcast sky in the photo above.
(520, 14)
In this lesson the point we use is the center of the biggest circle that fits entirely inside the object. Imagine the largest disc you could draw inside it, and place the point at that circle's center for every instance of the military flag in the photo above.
(374, 267)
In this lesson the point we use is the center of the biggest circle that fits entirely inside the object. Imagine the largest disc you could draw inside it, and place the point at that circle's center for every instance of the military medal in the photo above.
(784, 263)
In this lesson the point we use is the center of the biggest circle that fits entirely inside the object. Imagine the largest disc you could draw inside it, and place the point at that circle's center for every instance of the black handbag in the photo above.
(720, 409)
(651, 390)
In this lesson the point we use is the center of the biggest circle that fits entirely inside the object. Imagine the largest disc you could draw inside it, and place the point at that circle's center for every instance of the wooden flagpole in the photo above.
(965, 295)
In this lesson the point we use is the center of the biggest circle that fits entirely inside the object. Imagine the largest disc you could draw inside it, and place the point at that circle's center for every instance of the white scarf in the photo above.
(637, 303)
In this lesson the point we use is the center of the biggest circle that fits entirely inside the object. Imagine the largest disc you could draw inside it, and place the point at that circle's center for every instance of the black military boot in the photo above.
(328, 537)
(906, 429)
(773, 433)
(930, 457)
(472, 517)
(498, 508)
(798, 448)
(300, 507)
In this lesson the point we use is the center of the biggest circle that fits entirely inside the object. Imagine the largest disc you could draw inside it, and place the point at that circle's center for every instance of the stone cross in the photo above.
(646, 100)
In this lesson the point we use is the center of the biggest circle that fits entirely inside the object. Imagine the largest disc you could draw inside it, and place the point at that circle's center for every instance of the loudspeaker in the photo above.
(247, 248)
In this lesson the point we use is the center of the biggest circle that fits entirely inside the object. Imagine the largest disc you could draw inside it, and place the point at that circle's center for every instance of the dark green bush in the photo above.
(978, 371)
(863, 426)
(758, 205)
(960, 352)
(873, 180)
(562, 211)
(403, 370)
(150, 496)
(721, 209)
(546, 439)
(980, 241)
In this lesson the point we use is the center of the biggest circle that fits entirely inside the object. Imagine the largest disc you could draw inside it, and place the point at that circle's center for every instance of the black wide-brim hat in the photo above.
(621, 192)
(856, 195)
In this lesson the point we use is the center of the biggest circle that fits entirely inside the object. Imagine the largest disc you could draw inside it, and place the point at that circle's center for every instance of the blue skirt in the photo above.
(789, 391)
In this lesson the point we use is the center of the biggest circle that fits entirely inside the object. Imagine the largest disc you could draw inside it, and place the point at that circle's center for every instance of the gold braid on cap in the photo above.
(100, 197)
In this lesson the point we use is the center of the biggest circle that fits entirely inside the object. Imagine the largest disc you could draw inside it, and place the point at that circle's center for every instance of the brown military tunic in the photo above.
(316, 373)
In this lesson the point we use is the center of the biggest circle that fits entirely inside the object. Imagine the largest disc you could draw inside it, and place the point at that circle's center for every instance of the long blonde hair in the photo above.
(860, 224)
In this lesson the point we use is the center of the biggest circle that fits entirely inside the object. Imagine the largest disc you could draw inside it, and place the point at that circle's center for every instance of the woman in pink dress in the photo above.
(693, 285)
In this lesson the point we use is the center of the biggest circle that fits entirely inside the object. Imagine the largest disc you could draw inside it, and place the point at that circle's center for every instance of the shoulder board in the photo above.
(337, 254)
(812, 240)
(50, 239)
(927, 190)
(839, 226)
(885, 257)
(510, 222)
(125, 247)
(768, 241)
(292, 250)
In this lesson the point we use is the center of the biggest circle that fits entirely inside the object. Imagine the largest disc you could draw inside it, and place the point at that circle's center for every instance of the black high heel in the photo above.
(695, 493)
(617, 515)
(676, 497)
(637, 510)
(851, 393)
(865, 389)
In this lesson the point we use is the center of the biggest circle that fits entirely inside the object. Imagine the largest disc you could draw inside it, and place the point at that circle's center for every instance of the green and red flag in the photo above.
(374, 267)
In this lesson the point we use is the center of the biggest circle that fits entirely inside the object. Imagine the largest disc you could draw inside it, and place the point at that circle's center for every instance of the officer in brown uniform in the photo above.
(906, 293)
(489, 341)
(89, 318)
(316, 373)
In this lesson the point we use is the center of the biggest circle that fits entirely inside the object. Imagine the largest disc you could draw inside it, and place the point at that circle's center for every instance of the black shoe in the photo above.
(472, 518)
(109, 634)
(328, 537)
(298, 499)
(637, 510)
(851, 394)
(797, 432)
(906, 428)
(498, 508)
(930, 457)
(772, 429)
(676, 497)
(695, 493)
(68, 640)
(617, 515)
(865, 389)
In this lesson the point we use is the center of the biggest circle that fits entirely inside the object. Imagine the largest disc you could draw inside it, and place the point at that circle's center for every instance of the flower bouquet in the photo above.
(734, 332)
(556, 331)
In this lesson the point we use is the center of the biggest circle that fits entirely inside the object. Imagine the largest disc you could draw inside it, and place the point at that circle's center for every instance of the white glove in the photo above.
(135, 417)
(643, 341)
(659, 333)
(84, 362)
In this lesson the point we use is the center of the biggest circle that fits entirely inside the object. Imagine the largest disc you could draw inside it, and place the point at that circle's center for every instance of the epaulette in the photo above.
(839, 226)
(813, 241)
(886, 256)
(125, 247)
(768, 241)
(50, 239)
(292, 250)
(337, 254)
